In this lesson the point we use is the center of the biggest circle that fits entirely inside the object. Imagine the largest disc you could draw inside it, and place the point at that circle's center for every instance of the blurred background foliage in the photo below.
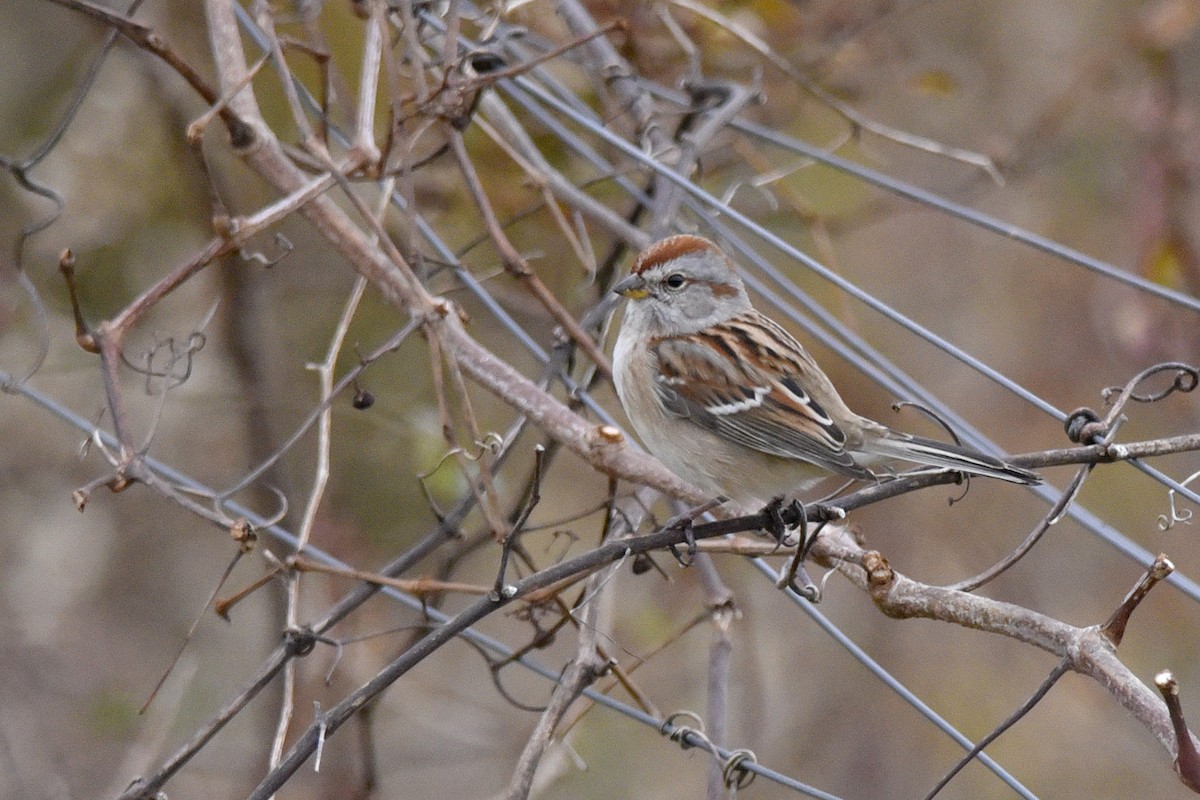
(1089, 108)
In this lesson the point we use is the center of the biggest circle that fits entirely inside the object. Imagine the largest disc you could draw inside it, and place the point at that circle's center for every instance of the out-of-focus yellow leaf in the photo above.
(934, 81)
(1162, 261)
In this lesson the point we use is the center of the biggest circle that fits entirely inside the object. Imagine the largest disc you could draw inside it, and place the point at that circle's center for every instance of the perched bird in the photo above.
(731, 402)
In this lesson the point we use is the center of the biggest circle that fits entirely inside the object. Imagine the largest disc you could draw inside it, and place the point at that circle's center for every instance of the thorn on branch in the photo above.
(223, 606)
(1187, 762)
(233, 562)
(1114, 628)
(83, 336)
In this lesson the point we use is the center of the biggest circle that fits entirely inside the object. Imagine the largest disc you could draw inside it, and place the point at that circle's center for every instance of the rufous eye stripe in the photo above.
(668, 249)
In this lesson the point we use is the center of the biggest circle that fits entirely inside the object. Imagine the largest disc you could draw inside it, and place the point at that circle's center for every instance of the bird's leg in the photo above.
(685, 522)
(686, 558)
(778, 528)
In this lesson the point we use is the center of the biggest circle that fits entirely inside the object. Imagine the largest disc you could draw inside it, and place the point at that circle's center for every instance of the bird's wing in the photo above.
(751, 382)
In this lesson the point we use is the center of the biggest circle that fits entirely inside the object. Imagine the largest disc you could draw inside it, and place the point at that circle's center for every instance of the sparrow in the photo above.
(731, 402)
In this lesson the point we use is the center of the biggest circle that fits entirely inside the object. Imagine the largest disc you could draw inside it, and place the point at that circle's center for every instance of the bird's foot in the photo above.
(688, 555)
(685, 522)
(780, 529)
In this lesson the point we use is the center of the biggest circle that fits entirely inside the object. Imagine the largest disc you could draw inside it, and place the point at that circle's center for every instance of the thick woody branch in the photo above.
(603, 447)
(1087, 651)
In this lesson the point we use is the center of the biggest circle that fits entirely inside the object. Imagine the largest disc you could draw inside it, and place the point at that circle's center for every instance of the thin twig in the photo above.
(723, 612)
(514, 262)
(851, 115)
(150, 40)
(315, 496)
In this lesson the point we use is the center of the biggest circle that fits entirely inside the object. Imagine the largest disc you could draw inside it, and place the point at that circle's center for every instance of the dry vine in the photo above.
(458, 85)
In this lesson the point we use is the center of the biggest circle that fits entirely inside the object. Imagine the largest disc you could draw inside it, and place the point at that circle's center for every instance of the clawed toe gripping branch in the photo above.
(685, 523)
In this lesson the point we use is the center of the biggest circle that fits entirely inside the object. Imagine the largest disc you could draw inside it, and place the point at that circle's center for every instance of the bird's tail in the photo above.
(951, 456)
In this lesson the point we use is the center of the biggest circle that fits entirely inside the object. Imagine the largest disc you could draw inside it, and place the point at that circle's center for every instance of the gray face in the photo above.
(692, 291)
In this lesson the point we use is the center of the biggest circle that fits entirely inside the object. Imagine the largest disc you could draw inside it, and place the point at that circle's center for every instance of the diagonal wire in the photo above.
(895, 375)
(968, 214)
(445, 253)
(531, 345)
(888, 680)
(282, 535)
(580, 115)
(873, 359)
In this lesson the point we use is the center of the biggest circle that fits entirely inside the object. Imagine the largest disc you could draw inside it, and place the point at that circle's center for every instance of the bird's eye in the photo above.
(675, 280)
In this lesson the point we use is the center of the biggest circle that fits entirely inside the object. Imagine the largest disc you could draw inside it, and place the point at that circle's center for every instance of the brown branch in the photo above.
(619, 78)
(1187, 762)
(418, 587)
(515, 264)
(1113, 630)
(581, 673)
(1087, 650)
(1109, 453)
(603, 447)
(517, 138)
(148, 39)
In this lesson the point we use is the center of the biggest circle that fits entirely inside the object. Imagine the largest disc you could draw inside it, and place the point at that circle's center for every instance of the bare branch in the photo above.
(1084, 650)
